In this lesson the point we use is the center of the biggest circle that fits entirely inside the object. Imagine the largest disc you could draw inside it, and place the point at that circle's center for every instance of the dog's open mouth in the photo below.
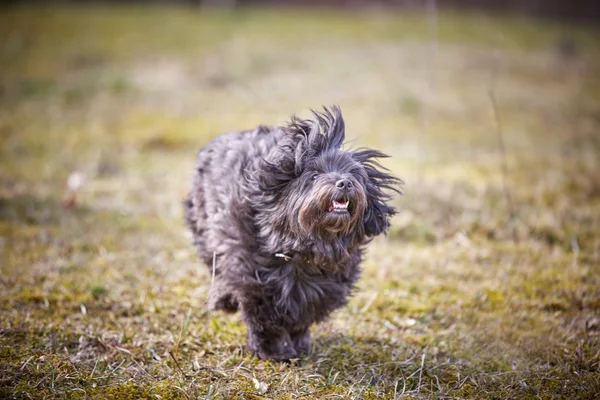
(340, 206)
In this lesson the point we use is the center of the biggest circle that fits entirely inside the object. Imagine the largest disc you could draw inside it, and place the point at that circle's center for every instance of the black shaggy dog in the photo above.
(281, 215)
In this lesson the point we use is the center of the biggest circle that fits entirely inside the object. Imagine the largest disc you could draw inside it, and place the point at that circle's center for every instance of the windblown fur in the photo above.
(285, 214)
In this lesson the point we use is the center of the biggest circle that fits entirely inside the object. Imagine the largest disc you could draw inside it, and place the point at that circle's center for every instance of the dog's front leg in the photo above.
(267, 338)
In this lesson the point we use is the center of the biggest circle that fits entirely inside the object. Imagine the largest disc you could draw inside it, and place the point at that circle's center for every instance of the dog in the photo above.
(281, 216)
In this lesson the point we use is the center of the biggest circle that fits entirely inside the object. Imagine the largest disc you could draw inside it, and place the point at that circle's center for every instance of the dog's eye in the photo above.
(315, 176)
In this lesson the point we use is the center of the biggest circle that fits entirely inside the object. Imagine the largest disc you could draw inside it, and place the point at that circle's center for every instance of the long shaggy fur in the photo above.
(285, 214)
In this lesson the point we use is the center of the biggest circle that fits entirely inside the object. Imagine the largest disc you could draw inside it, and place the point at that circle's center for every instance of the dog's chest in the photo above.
(304, 292)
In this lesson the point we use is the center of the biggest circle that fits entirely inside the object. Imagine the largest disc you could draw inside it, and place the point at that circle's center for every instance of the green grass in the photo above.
(469, 296)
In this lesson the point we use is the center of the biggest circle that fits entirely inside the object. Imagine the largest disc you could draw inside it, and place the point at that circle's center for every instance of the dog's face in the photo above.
(321, 192)
(330, 195)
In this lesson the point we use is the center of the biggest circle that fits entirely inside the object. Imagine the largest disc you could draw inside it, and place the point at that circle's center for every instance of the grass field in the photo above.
(487, 286)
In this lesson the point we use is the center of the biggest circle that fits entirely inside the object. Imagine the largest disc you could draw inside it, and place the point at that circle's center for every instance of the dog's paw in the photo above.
(226, 303)
(278, 357)
(273, 347)
(301, 342)
(284, 355)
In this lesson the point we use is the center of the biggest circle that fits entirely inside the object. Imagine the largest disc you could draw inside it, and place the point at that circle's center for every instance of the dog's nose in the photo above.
(344, 184)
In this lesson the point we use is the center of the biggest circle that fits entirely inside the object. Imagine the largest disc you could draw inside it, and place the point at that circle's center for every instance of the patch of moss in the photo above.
(99, 291)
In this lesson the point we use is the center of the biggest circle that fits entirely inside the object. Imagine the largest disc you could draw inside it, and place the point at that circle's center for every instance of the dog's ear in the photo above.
(303, 139)
(332, 128)
(379, 186)
(310, 137)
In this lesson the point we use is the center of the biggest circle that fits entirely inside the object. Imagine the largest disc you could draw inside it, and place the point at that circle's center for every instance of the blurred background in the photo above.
(489, 110)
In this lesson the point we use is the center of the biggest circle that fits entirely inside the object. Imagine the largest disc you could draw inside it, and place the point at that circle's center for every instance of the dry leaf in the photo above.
(260, 386)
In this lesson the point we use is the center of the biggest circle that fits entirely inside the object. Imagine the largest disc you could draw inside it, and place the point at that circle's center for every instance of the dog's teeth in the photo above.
(338, 205)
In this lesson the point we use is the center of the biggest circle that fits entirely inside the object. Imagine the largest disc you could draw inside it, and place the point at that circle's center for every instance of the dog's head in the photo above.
(319, 192)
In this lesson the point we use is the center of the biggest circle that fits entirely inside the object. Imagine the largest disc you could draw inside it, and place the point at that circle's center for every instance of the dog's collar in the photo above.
(309, 265)
(284, 256)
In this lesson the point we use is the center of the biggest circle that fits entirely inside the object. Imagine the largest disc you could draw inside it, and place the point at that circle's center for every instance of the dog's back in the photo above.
(216, 191)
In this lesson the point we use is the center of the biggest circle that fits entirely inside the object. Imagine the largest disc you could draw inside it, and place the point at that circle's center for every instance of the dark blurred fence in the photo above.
(560, 9)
